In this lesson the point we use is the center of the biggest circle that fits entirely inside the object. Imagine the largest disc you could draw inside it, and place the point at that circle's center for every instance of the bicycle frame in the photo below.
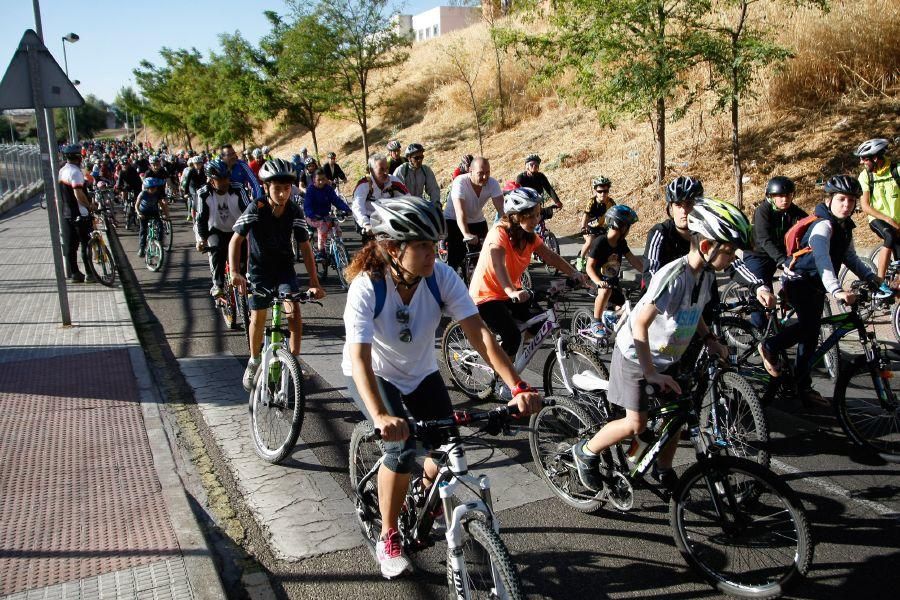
(275, 337)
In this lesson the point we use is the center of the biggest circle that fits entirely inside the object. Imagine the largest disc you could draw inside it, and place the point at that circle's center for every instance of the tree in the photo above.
(366, 42)
(90, 118)
(738, 47)
(169, 91)
(466, 64)
(625, 56)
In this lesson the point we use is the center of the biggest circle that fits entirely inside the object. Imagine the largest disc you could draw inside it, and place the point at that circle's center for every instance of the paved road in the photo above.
(853, 505)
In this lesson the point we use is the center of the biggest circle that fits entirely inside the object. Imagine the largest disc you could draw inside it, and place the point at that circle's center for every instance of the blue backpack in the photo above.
(381, 292)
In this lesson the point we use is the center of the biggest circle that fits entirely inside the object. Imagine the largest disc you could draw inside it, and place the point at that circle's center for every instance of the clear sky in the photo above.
(117, 35)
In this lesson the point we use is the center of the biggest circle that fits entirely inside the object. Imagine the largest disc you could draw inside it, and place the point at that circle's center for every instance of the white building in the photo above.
(440, 20)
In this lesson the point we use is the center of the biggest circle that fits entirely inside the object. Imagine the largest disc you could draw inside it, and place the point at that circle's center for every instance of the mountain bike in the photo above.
(166, 234)
(478, 562)
(100, 259)
(130, 213)
(335, 254)
(583, 320)
(278, 400)
(477, 379)
(154, 253)
(548, 236)
(865, 404)
(734, 521)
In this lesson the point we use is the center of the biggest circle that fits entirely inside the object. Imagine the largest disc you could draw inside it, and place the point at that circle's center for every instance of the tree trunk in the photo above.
(312, 131)
(475, 117)
(500, 99)
(736, 154)
(660, 135)
(363, 121)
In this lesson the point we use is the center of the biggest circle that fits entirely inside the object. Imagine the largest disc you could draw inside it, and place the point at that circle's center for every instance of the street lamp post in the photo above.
(73, 131)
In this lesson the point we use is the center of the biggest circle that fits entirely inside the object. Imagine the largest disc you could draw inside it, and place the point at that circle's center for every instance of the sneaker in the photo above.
(141, 253)
(77, 278)
(215, 291)
(610, 318)
(667, 478)
(588, 467)
(389, 551)
(883, 291)
(598, 330)
(250, 373)
(189, 218)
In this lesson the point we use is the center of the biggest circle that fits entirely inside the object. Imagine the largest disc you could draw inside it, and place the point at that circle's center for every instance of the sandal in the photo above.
(772, 366)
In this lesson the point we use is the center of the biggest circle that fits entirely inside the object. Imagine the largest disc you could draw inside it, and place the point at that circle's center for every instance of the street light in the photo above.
(71, 38)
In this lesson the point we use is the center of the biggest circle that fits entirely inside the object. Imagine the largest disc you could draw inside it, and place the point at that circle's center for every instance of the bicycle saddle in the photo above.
(589, 382)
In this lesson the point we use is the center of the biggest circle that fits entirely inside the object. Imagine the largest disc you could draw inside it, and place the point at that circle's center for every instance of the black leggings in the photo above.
(456, 248)
(79, 236)
(430, 400)
(502, 317)
(887, 233)
(808, 299)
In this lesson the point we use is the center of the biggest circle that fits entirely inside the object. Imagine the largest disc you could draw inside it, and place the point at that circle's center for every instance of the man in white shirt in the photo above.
(76, 208)
(464, 212)
(378, 184)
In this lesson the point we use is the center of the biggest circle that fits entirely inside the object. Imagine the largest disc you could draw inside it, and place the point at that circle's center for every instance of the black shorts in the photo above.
(284, 280)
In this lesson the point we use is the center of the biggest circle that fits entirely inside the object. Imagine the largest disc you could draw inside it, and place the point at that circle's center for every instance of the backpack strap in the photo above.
(895, 173)
(381, 292)
(431, 280)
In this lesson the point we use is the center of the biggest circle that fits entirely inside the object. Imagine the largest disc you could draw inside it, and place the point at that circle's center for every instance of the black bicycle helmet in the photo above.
(407, 219)
(71, 150)
(533, 158)
(873, 147)
(278, 169)
(619, 216)
(217, 169)
(413, 148)
(780, 186)
(844, 184)
(682, 189)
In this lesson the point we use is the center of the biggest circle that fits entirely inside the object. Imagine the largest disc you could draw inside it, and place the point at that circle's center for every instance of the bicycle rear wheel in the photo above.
(277, 403)
(740, 418)
(101, 263)
(868, 409)
(580, 326)
(895, 321)
(578, 360)
(365, 451)
(227, 305)
(154, 256)
(552, 244)
(167, 234)
(551, 434)
(488, 571)
(469, 372)
(525, 280)
(738, 525)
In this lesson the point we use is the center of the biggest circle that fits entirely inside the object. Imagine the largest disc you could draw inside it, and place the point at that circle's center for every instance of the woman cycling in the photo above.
(504, 257)
(394, 304)
(592, 219)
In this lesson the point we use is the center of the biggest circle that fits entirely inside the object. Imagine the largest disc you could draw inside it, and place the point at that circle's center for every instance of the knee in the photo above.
(400, 458)
(635, 424)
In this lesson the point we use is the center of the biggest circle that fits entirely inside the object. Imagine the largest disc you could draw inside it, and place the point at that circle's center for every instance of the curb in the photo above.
(20, 197)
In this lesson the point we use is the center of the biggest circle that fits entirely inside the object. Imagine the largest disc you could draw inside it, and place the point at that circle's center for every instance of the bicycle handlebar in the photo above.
(301, 297)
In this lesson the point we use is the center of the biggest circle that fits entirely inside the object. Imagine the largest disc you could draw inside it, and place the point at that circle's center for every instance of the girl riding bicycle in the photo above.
(504, 257)
(317, 203)
(395, 302)
(148, 205)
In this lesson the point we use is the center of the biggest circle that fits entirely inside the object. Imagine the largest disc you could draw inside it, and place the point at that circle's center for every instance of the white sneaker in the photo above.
(215, 291)
(250, 374)
(389, 551)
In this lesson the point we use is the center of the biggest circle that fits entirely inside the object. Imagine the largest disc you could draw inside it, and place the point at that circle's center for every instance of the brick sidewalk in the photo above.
(92, 505)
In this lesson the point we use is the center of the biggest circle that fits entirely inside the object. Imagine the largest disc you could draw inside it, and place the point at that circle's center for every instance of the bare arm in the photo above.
(82, 198)
(866, 205)
(635, 262)
(555, 260)
(460, 215)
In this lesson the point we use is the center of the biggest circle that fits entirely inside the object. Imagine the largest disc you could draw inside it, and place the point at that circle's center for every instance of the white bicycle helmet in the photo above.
(406, 219)
(873, 147)
(278, 169)
(721, 222)
(393, 145)
(520, 199)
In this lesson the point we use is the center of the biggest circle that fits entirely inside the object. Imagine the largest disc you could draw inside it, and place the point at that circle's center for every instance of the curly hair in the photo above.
(370, 259)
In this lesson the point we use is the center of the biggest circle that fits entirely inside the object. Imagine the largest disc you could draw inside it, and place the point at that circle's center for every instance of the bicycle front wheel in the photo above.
(552, 244)
(484, 568)
(469, 372)
(365, 451)
(895, 322)
(868, 409)
(276, 404)
(847, 277)
(101, 263)
(578, 359)
(739, 418)
(738, 525)
(580, 326)
(155, 255)
(228, 307)
(341, 260)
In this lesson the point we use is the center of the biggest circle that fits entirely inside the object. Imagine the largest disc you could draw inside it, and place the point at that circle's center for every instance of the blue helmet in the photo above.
(620, 215)
(217, 168)
(152, 182)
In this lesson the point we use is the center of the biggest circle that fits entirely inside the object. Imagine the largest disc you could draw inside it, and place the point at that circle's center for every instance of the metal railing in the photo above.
(20, 168)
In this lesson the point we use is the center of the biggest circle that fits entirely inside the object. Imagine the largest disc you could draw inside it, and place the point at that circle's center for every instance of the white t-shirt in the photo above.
(405, 365)
(671, 290)
(472, 203)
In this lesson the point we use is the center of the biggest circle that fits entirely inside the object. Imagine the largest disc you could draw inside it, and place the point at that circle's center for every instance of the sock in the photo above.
(586, 451)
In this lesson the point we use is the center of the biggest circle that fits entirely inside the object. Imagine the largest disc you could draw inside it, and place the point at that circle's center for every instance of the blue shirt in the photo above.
(242, 174)
(317, 203)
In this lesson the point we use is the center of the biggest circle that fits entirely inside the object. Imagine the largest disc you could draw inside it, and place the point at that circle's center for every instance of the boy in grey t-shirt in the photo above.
(659, 330)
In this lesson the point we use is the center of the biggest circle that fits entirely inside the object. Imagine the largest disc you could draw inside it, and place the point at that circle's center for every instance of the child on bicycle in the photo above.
(659, 330)
(605, 264)
(148, 205)
(268, 226)
(389, 355)
(592, 219)
(812, 272)
(317, 203)
(504, 257)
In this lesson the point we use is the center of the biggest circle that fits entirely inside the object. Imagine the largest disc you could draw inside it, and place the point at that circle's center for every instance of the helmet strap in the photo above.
(398, 273)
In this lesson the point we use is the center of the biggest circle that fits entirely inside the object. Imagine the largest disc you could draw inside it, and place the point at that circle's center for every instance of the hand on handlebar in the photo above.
(392, 429)
(664, 382)
(317, 293)
(470, 239)
(845, 297)
(765, 297)
(527, 403)
(520, 296)
(201, 246)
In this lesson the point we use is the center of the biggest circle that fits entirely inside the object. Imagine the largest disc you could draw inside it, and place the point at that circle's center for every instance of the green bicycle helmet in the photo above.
(721, 222)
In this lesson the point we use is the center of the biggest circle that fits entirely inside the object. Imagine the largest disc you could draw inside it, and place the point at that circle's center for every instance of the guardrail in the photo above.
(20, 173)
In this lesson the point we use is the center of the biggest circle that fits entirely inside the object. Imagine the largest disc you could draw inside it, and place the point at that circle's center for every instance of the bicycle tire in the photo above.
(580, 358)
(739, 334)
(552, 244)
(490, 572)
(167, 234)
(441, 251)
(895, 322)
(742, 421)
(525, 281)
(99, 255)
(242, 307)
(581, 320)
(228, 307)
(154, 256)
(365, 450)
(831, 361)
(868, 423)
(341, 261)
(750, 491)
(552, 432)
(468, 370)
(273, 446)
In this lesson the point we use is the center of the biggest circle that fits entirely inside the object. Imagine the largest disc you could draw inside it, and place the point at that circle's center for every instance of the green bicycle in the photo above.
(155, 253)
(277, 400)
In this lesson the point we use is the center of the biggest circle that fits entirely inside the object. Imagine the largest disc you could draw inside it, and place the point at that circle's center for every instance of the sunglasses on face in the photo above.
(420, 157)
(601, 190)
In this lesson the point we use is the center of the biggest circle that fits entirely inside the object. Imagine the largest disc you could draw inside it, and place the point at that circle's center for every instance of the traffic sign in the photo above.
(56, 89)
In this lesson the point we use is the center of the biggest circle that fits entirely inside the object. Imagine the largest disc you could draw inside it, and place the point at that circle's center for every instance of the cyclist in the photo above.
(506, 254)
(464, 211)
(604, 264)
(658, 332)
(77, 210)
(773, 217)
(156, 169)
(394, 157)
(269, 225)
(463, 167)
(148, 205)
(220, 203)
(333, 171)
(317, 203)
(257, 162)
(241, 172)
(880, 182)
(532, 178)
(297, 163)
(193, 180)
(389, 359)
(594, 214)
(305, 179)
(377, 184)
(266, 155)
(418, 178)
(813, 274)
(128, 180)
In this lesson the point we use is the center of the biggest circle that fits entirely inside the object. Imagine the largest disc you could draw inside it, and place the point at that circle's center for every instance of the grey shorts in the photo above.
(626, 383)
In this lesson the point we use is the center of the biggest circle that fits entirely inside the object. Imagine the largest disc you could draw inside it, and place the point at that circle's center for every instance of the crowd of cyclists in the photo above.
(399, 292)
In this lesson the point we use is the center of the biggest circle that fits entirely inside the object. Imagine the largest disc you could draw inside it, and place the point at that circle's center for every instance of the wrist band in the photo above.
(521, 388)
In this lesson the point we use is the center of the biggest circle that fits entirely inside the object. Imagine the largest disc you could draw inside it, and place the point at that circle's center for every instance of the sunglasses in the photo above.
(417, 157)
(601, 190)
(402, 316)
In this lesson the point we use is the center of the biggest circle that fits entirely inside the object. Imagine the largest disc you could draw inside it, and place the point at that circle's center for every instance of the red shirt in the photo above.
(255, 166)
